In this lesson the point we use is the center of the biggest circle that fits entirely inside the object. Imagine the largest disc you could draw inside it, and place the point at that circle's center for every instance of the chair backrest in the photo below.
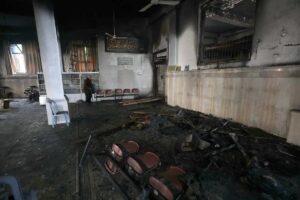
(108, 92)
(118, 91)
(100, 92)
(53, 106)
(135, 91)
(127, 90)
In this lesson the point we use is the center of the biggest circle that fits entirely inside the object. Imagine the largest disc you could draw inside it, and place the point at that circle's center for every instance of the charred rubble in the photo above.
(216, 155)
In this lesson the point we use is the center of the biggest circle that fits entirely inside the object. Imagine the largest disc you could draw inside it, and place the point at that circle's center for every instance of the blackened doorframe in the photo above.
(158, 60)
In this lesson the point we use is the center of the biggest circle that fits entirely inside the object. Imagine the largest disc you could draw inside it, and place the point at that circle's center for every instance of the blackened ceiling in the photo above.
(92, 14)
(16, 7)
(90, 11)
(75, 14)
(77, 8)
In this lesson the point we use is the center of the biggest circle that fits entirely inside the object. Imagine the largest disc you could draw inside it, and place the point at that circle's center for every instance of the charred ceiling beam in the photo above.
(229, 18)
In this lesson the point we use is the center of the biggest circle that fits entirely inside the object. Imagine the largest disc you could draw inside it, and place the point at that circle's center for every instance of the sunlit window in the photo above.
(18, 59)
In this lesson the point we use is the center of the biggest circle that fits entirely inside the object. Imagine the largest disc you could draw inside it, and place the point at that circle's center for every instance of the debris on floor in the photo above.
(139, 101)
(141, 120)
(217, 158)
(221, 159)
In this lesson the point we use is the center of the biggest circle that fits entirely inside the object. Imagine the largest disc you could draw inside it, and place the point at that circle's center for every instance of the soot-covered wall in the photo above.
(260, 92)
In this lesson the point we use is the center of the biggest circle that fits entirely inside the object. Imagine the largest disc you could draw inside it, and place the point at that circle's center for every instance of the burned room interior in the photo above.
(150, 99)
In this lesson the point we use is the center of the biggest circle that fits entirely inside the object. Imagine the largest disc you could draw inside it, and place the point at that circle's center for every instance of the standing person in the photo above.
(88, 89)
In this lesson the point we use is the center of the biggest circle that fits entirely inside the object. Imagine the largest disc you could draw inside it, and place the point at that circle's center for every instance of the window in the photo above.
(86, 54)
(82, 56)
(18, 59)
(226, 31)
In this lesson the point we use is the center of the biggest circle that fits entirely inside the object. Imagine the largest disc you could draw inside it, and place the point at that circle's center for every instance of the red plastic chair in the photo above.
(135, 91)
(111, 167)
(99, 94)
(138, 165)
(167, 184)
(126, 91)
(119, 152)
(118, 93)
(109, 93)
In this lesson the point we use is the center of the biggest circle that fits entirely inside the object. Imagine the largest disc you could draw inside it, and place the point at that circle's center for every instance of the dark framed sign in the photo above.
(125, 45)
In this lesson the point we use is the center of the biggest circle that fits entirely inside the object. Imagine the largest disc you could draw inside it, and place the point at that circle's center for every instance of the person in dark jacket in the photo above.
(88, 89)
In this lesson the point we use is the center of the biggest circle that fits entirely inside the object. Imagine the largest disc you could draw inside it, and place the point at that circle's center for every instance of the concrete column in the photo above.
(187, 34)
(277, 33)
(172, 39)
(50, 55)
(3, 71)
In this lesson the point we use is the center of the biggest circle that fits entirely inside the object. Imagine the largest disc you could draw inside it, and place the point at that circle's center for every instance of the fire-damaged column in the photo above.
(50, 56)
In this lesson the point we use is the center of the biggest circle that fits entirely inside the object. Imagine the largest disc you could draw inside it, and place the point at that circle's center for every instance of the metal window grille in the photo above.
(237, 50)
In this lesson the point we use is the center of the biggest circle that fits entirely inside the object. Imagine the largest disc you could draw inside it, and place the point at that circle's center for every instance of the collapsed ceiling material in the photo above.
(229, 18)
(158, 2)
(227, 4)
(221, 18)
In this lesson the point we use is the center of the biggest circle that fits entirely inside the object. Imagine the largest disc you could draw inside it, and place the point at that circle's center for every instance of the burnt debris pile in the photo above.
(195, 156)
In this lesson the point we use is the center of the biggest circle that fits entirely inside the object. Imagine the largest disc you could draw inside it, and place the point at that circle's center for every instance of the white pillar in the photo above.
(50, 55)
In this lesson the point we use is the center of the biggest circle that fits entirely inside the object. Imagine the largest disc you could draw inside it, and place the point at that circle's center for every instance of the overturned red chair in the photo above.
(119, 152)
(138, 165)
(167, 185)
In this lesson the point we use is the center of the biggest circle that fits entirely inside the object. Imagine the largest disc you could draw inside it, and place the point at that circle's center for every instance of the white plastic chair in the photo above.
(15, 189)
(56, 112)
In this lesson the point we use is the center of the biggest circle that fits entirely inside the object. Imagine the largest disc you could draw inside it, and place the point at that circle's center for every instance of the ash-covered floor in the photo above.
(44, 159)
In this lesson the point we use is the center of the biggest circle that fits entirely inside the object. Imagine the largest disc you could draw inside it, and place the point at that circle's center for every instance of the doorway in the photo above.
(160, 61)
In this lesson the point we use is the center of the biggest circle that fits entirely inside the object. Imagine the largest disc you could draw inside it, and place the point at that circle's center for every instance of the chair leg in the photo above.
(67, 119)
(55, 120)
(52, 121)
